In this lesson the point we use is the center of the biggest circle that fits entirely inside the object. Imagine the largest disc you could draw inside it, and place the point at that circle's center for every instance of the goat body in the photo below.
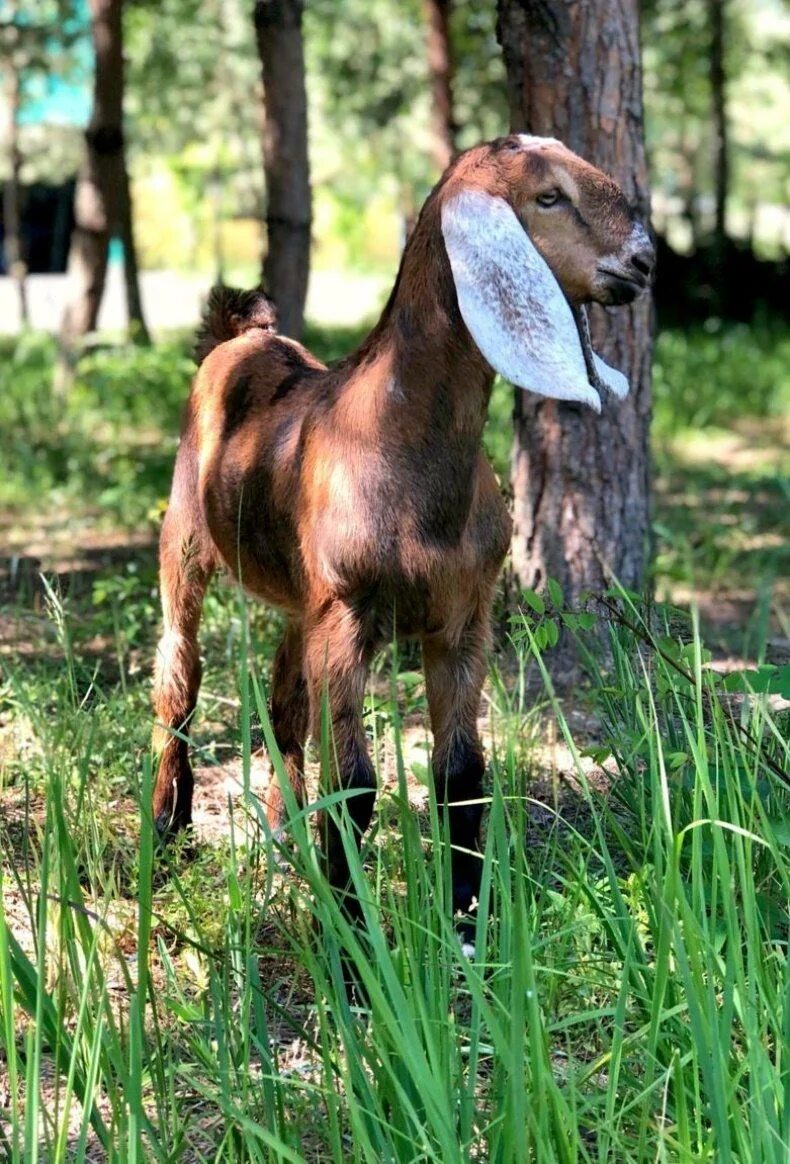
(357, 498)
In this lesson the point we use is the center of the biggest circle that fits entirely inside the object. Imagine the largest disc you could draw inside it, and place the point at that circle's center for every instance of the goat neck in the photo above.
(419, 373)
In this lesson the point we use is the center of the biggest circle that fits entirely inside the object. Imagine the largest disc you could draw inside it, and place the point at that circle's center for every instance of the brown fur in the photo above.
(358, 500)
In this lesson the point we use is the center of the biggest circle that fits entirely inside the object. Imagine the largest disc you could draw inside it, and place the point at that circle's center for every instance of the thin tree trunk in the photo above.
(721, 153)
(138, 328)
(278, 28)
(582, 482)
(441, 69)
(96, 198)
(12, 210)
(101, 202)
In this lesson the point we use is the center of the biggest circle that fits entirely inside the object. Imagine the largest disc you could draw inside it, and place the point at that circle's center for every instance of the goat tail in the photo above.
(229, 312)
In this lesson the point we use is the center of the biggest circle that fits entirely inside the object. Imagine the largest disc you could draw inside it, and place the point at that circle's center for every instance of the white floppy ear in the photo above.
(513, 306)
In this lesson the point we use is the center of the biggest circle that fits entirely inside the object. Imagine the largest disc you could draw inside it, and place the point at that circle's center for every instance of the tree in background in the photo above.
(102, 203)
(371, 89)
(30, 51)
(15, 59)
(581, 481)
(441, 70)
(193, 112)
(286, 265)
(721, 150)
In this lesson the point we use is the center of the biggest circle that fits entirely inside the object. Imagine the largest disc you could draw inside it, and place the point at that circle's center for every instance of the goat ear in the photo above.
(513, 306)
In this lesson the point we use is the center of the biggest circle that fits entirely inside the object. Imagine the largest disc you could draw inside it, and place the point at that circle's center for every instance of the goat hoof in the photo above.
(466, 932)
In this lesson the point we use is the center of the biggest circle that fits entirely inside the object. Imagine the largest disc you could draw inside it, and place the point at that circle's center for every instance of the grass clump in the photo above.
(627, 998)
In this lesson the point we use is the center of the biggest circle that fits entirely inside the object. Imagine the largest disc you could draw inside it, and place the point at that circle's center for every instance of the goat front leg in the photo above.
(185, 572)
(337, 657)
(290, 713)
(454, 674)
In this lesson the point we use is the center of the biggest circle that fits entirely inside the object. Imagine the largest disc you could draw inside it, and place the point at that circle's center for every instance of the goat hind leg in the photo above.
(289, 714)
(185, 571)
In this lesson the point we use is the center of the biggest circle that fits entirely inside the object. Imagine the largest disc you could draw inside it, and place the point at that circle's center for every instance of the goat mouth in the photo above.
(622, 287)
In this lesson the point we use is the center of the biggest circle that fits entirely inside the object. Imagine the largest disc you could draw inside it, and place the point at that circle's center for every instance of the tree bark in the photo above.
(12, 208)
(286, 266)
(441, 70)
(721, 153)
(101, 196)
(582, 482)
(138, 328)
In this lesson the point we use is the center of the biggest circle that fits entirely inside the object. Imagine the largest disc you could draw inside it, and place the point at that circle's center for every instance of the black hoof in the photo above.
(170, 825)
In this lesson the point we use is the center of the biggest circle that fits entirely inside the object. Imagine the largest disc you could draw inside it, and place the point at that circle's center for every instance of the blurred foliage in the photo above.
(714, 375)
(46, 44)
(194, 110)
(193, 104)
(676, 39)
(368, 74)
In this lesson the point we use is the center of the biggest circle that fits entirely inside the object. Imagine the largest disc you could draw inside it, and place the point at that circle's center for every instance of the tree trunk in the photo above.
(12, 207)
(13, 233)
(582, 482)
(101, 206)
(721, 161)
(12, 200)
(441, 69)
(278, 28)
(138, 328)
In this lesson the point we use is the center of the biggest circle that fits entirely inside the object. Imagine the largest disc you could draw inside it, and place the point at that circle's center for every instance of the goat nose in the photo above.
(643, 255)
(643, 261)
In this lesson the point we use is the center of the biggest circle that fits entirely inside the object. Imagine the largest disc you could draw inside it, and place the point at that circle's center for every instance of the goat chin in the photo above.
(356, 498)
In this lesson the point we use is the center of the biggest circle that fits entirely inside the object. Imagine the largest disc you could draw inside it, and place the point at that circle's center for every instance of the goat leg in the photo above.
(337, 657)
(185, 572)
(289, 713)
(454, 674)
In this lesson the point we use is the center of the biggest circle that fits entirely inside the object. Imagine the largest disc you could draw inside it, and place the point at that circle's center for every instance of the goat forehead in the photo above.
(580, 172)
(530, 141)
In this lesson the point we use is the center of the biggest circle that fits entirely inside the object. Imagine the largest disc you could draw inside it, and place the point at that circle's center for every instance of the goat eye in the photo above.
(549, 198)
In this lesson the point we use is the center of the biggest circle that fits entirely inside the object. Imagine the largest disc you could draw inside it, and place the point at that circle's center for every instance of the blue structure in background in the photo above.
(60, 103)
(51, 100)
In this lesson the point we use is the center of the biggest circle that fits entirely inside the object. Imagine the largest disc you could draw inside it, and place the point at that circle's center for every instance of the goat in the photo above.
(357, 497)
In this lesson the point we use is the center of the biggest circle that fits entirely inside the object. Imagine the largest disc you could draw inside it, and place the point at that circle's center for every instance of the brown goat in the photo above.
(357, 498)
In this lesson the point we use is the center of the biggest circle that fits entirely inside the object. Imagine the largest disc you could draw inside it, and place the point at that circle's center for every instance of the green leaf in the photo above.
(534, 600)
(597, 753)
(765, 680)
(421, 773)
(555, 592)
(781, 829)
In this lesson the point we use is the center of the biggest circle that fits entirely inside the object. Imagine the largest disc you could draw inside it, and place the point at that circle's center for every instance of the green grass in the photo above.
(630, 994)
(628, 998)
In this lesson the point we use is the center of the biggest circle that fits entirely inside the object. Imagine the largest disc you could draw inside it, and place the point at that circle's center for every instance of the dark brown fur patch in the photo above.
(230, 312)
